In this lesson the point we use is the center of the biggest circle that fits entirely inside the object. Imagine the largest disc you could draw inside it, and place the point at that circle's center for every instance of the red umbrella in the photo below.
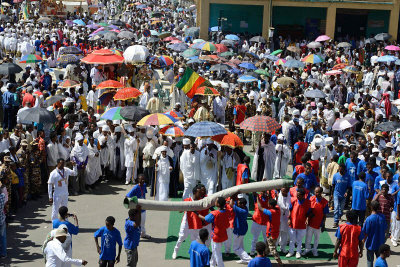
(260, 124)
(230, 139)
(175, 42)
(221, 48)
(68, 84)
(110, 84)
(102, 57)
(170, 38)
(127, 93)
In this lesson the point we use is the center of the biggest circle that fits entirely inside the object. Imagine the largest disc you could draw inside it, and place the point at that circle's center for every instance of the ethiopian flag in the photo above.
(189, 82)
(25, 12)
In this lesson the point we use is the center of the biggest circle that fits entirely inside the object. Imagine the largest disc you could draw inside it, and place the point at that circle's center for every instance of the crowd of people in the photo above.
(338, 135)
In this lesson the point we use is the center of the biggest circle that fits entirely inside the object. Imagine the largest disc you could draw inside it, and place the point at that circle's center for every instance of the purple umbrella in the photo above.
(93, 26)
(69, 22)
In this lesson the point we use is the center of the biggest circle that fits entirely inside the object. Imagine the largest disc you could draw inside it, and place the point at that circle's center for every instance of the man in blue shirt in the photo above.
(340, 183)
(360, 195)
(351, 166)
(240, 228)
(312, 132)
(384, 252)
(261, 260)
(198, 251)
(374, 229)
(63, 219)
(110, 236)
(8, 103)
(310, 181)
(131, 241)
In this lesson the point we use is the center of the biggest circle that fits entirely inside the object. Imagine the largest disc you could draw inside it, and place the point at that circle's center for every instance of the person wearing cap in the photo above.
(46, 80)
(208, 166)
(163, 168)
(131, 150)
(283, 157)
(190, 167)
(80, 155)
(55, 253)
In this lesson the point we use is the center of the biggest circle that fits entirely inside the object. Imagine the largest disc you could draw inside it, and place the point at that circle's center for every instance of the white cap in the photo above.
(163, 148)
(118, 129)
(106, 128)
(375, 150)
(318, 141)
(46, 70)
(296, 112)
(190, 120)
(149, 134)
(60, 232)
(186, 141)
(101, 123)
(328, 141)
(78, 137)
(180, 70)
(391, 160)
(281, 137)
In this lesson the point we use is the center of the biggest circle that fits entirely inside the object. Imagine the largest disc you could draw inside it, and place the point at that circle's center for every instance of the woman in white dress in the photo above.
(93, 168)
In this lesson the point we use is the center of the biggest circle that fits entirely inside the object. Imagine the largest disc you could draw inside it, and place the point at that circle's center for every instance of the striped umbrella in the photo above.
(205, 90)
(280, 61)
(246, 79)
(156, 119)
(172, 130)
(205, 129)
(313, 59)
(127, 93)
(229, 139)
(117, 52)
(205, 46)
(110, 84)
(175, 114)
(260, 124)
(31, 59)
(165, 60)
(112, 114)
(68, 84)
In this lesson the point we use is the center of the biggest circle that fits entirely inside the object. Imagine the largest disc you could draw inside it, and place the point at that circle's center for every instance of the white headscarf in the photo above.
(80, 152)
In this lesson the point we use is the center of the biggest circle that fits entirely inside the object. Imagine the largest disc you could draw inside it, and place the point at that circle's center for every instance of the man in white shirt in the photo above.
(51, 61)
(55, 254)
(58, 186)
(190, 167)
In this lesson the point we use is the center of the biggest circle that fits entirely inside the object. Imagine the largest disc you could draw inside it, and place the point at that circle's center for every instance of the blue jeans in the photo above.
(370, 257)
(338, 203)
(3, 239)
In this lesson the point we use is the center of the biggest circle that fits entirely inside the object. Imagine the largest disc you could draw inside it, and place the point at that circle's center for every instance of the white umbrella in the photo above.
(216, 83)
(136, 54)
(314, 45)
(344, 123)
(396, 102)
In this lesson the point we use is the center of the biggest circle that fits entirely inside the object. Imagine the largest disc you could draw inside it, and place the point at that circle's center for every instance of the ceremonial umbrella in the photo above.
(246, 79)
(313, 59)
(112, 114)
(315, 93)
(392, 48)
(102, 57)
(205, 129)
(172, 130)
(9, 68)
(285, 81)
(31, 59)
(38, 115)
(257, 39)
(260, 124)
(344, 123)
(136, 54)
(229, 139)
(387, 126)
(127, 93)
(322, 38)
(110, 84)
(133, 113)
(156, 119)
(205, 90)
(68, 83)
(68, 59)
(175, 114)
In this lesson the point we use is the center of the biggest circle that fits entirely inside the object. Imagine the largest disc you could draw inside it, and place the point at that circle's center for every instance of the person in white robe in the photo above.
(155, 104)
(163, 168)
(283, 156)
(131, 151)
(144, 98)
(190, 167)
(229, 164)
(93, 168)
(104, 155)
(52, 152)
(284, 204)
(79, 155)
(208, 167)
(219, 105)
(119, 155)
(268, 153)
(92, 99)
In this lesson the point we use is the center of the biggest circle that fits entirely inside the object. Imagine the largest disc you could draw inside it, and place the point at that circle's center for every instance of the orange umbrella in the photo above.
(68, 84)
(127, 93)
(110, 84)
(230, 139)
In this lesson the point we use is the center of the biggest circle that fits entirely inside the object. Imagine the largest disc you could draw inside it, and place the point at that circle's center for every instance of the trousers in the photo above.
(296, 239)
(184, 232)
(309, 234)
(188, 185)
(283, 239)
(239, 249)
(338, 203)
(129, 171)
(132, 257)
(216, 257)
(3, 239)
(395, 227)
(143, 222)
(58, 201)
(256, 229)
(228, 242)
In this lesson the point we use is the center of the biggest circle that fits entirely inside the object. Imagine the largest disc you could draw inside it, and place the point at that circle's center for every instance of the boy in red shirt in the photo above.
(293, 190)
(300, 209)
(220, 222)
(229, 230)
(349, 241)
(259, 224)
(316, 222)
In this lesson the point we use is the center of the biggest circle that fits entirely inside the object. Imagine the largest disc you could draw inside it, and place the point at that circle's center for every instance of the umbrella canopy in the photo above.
(314, 45)
(172, 130)
(31, 59)
(387, 126)
(205, 90)
(339, 66)
(386, 58)
(322, 38)
(280, 61)
(171, 38)
(344, 45)
(126, 35)
(9, 68)
(227, 54)
(181, 47)
(285, 81)
(272, 57)
(79, 22)
(219, 67)
(351, 69)
(344, 123)
(112, 114)
(316, 93)
(313, 59)
(260, 124)
(133, 113)
(293, 49)
(248, 65)
(68, 84)
(392, 48)
(110, 84)
(175, 114)
(54, 99)
(382, 36)
(258, 39)
(165, 61)
(293, 63)
(229, 139)
(127, 93)
(69, 50)
(206, 46)
(246, 79)
(68, 59)
(102, 57)
(370, 41)
(262, 72)
(156, 119)
(221, 48)
(232, 37)
(205, 129)
(136, 54)
(193, 32)
(276, 52)
(333, 72)
(44, 19)
(110, 36)
(229, 43)
(38, 115)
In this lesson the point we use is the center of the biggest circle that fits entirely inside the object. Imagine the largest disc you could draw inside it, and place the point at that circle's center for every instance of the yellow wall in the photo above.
(203, 11)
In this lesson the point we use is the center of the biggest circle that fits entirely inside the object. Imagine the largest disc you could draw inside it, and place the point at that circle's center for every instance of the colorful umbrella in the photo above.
(246, 79)
(102, 57)
(156, 119)
(172, 130)
(112, 114)
(79, 22)
(102, 24)
(127, 93)
(68, 84)
(322, 38)
(313, 59)
(280, 61)
(205, 90)
(206, 46)
(205, 129)
(339, 66)
(260, 124)
(31, 59)
(117, 52)
(276, 52)
(248, 65)
(110, 84)
(351, 69)
(229, 139)
(221, 48)
(175, 114)
(165, 60)
(170, 38)
(68, 59)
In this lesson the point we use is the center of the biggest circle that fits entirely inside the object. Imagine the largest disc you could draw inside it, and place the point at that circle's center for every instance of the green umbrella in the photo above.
(276, 52)
(191, 52)
(227, 54)
(262, 72)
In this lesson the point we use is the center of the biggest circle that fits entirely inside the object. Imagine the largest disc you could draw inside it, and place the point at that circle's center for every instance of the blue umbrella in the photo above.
(272, 57)
(79, 22)
(292, 63)
(253, 55)
(235, 70)
(246, 79)
(215, 29)
(204, 129)
(232, 37)
(248, 65)
(387, 58)
(179, 47)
